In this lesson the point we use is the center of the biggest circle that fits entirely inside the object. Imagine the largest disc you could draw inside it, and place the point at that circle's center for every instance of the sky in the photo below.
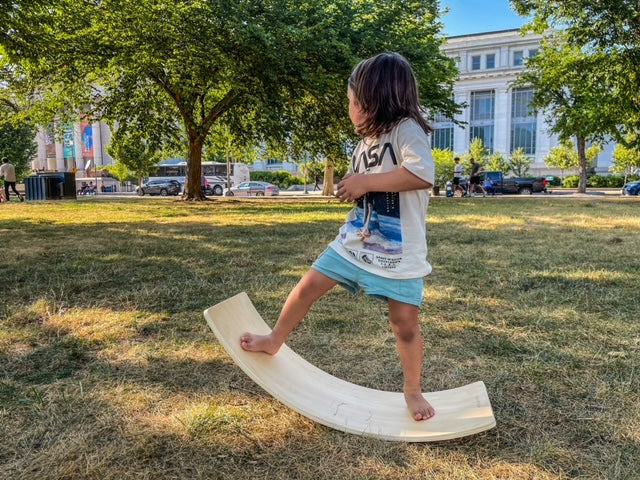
(477, 16)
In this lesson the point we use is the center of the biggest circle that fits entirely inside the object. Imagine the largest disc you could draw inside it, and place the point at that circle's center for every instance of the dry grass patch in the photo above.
(108, 370)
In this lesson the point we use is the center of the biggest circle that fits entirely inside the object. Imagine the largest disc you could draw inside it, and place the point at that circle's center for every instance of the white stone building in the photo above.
(496, 112)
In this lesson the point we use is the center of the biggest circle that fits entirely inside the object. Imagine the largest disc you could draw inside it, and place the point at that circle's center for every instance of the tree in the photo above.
(519, 163)
(626, 160)
(562, 156)
(608, 31)
(16, 143)
(134, 152)
(478, 151)
(570, 91)
(119, 170)
(444, 164)
(497, 162)
(267, 70)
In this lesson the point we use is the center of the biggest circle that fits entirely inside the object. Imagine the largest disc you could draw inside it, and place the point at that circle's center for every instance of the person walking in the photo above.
(474, 178)
(8, 173)
(457, 176)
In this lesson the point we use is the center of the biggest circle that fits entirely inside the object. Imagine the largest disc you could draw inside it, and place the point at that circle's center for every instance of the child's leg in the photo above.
(310, 288)
(405, 325)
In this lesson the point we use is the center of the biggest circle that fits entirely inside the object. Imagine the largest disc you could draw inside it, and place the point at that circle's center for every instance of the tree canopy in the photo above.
(272, 71)
(571, 91)
(607, 31)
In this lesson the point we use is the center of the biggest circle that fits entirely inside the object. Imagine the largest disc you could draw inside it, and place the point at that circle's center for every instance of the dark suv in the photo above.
(159, 186)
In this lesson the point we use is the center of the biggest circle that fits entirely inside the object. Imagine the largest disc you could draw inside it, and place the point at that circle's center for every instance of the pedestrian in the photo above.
(457, 176)
(474, 178)
(382, 247)
(8, 173)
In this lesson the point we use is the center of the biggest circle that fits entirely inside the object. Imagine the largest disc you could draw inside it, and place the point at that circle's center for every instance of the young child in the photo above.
(382, 247)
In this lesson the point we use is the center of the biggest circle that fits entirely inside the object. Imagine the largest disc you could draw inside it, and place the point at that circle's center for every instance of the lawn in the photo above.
(109, 371)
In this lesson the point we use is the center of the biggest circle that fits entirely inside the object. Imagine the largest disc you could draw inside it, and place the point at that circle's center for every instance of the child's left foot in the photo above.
(420, 409)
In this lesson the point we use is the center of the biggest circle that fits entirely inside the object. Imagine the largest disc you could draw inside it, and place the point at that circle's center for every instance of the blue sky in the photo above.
(477, 16)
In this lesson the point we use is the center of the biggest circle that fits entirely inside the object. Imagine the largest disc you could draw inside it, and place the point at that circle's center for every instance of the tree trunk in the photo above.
(582, 159)
(193, 183)
(329, 170)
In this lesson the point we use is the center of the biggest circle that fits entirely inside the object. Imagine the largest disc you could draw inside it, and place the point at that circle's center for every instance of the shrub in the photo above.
(597, 181)
(281, 178)
(443, 161)
(554, 181)
(615, 181)
(571, 181)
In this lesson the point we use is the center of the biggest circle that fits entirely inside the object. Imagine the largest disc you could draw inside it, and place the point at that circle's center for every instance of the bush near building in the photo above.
(597, 181)
(281, 178)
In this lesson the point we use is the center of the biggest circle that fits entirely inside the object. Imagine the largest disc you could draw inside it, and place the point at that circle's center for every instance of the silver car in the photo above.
(253, 189)
(160, 187)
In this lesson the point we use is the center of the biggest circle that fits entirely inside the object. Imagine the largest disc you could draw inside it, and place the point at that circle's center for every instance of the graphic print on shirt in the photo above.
(376, 219)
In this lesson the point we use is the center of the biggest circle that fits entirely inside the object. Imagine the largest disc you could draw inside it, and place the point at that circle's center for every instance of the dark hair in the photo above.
(387, 91)
(5, 160)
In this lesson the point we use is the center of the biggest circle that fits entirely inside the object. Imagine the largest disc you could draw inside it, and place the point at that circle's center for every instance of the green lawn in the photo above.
(109, 371)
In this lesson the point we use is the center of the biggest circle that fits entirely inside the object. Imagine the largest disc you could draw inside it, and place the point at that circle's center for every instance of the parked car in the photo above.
(631, 188)
(252, 189)
(521, 186)
(158, 186)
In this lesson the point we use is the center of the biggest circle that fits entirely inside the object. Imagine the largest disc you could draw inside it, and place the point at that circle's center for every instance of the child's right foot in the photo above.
(259, 343)
(418, 406)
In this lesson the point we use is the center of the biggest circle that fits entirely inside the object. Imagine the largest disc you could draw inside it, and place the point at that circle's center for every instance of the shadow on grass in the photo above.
(548, 328)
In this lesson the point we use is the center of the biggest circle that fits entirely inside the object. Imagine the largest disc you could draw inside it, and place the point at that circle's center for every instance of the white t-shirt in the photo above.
(8, 172)
(457, 170)
(385, 233)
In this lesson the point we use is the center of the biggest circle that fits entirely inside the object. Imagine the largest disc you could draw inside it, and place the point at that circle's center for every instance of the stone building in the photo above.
(497, 112)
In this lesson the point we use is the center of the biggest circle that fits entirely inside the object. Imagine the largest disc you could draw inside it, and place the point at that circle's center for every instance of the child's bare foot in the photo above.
(259, 343)
(420, 409)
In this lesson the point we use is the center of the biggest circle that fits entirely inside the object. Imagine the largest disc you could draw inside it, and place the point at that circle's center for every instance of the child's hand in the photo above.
(352, 187)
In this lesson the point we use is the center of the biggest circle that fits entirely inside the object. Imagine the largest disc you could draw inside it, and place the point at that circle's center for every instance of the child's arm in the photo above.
(353, 186)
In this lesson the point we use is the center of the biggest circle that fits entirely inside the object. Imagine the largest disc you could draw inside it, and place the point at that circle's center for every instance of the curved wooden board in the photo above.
(339, 404)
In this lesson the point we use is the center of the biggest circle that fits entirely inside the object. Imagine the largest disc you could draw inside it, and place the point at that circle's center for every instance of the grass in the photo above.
(108, 370)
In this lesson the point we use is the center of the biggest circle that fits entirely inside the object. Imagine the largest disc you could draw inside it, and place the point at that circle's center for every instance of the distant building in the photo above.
(496, 112)
(274, 165)
(83, 148)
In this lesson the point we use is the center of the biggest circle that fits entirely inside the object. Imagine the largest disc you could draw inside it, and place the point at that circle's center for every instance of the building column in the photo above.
(77, 145)
(60, 166)
(501, 134)
(460, 133)
(97, 144)
(40, 162)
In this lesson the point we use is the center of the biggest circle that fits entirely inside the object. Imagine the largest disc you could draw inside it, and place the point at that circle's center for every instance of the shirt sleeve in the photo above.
(416, 151)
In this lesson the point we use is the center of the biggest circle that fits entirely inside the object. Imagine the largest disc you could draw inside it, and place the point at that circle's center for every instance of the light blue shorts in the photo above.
(354, 279)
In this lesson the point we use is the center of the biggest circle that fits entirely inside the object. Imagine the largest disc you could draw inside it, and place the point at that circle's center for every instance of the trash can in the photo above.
(50, 186)
(35, 188)
(449, 189)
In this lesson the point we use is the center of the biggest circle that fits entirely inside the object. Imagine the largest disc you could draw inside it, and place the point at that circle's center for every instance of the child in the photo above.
(382, 247)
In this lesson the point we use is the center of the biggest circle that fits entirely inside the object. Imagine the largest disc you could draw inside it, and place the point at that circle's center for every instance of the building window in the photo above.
(491, 61)
(482, 111)
(523, 121)
(517, 59)
(533, 53)
(475, 62)
(442, 136)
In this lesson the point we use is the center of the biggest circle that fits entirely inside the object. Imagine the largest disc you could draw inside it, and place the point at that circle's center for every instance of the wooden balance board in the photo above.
(339, 404)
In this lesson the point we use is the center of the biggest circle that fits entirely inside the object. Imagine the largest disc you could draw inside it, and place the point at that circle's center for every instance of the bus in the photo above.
(215, 174)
